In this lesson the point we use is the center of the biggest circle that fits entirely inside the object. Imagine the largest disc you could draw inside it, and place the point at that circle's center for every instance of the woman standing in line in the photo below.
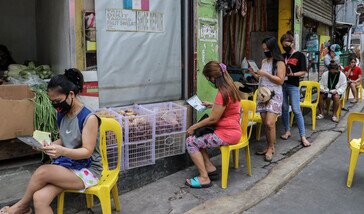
(272, 77)
(295, 68)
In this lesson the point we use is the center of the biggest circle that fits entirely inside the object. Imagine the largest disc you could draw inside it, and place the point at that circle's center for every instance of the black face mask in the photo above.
(63, 107)
(268, 54)
(287, 49)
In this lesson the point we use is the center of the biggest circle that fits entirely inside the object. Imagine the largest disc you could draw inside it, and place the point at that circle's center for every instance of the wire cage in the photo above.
(139, 154)
(170, 145)
(138, 124)
(170, 117)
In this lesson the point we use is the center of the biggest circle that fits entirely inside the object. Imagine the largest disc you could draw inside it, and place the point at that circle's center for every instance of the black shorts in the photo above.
(326, 96)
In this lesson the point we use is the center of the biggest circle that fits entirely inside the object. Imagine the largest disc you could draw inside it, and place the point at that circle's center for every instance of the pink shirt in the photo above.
(228, 127)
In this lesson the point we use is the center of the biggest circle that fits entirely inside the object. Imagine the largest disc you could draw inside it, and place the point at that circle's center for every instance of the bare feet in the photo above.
(17, 208)
(210, 167)
(269, 155)
(286, 135)
(305, 142)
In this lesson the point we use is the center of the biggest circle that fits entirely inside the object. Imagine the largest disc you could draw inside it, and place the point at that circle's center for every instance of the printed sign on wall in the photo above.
(136, 5)
(120, 20)
(208, 31)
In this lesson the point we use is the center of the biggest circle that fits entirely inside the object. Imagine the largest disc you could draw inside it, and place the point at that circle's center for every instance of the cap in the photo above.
(336, 48)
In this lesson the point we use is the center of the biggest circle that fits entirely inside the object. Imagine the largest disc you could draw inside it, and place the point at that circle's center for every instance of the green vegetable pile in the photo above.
(17, 70)
(45, 118)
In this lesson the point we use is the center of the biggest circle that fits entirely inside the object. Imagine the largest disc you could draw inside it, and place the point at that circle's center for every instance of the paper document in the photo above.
(37, 139)
(196, 103)
(253, 65)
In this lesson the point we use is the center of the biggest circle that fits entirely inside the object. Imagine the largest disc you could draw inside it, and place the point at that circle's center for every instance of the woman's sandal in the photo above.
(195, 183)
(268, 158)
(213, 175)
(320, 117)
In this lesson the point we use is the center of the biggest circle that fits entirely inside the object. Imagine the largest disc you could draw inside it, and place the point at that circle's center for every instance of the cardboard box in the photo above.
(16, 111)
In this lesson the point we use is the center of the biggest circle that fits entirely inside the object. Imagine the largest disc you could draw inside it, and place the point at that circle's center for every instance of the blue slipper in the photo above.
(195, 183)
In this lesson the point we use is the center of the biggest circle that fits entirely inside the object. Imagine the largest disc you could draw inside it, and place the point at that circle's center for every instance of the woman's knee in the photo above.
(41, 173)
(270, 124)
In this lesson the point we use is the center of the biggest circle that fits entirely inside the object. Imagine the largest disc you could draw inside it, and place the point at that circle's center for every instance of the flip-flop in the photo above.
(213, 175)
(5, 210)
(195, 183)
(262, 152)
(320, 117)
(305, 145)
(268, 158)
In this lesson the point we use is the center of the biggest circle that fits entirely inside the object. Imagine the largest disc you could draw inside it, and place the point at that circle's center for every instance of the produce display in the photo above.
(168, 121)
(105, 114)
(138, 126)
(44, 114)
(21, 71)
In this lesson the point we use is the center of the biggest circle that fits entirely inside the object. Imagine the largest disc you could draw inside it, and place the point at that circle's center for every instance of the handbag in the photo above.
(264, 94)
(204, 130)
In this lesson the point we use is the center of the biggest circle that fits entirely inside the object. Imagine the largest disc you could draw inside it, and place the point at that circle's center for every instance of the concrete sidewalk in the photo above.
(170, 195)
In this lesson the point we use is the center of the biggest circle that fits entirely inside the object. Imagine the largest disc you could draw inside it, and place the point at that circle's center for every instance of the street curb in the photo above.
(279, 176)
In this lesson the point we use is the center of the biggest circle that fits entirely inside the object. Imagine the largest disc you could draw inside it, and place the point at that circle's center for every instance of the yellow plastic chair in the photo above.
(356, 145)
(109, 178)
(248, 107)
(360, 91)
(307, 101)
(256, 118)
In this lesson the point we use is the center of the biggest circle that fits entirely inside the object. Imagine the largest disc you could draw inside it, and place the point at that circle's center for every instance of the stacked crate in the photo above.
(170, 128)
(138, 135)
(111, 142)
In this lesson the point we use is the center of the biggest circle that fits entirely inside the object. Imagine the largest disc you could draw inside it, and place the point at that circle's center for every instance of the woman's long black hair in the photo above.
(273, 47)
(71, 80)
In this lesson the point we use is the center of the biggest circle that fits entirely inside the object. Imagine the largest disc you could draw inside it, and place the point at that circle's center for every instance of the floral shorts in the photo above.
(87, 177)
(194, 144)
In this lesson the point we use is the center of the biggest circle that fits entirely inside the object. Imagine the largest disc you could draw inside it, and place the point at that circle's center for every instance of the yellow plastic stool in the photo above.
(356, 145)
(307, 101)
(109, 178)
(248, 107)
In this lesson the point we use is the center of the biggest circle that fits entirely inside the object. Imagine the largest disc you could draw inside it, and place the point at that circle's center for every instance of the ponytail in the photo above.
(71, 80)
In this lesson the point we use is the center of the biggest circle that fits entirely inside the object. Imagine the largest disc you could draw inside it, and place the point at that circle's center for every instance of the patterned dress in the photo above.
(274, 105)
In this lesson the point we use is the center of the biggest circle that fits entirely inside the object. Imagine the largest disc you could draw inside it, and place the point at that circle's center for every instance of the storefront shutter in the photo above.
(319, 10)
(138, 52)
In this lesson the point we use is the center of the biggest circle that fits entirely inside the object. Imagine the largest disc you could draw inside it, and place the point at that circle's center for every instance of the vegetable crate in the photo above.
(170, 117)
(111, 143)
(139, 154)
(170, 128)
(138, 135)
(170, 145)
(112, 152)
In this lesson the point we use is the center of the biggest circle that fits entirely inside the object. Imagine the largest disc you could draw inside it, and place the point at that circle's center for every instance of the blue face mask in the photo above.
(212, 84)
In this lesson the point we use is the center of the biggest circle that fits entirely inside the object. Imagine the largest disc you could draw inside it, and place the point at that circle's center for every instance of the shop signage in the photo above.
(138, 21)
(208, 31)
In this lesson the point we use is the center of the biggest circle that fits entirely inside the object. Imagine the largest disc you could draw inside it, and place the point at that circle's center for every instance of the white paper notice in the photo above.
(196, 103)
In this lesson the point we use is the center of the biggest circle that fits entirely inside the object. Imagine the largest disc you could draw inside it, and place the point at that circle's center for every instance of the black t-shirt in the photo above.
(297, 62)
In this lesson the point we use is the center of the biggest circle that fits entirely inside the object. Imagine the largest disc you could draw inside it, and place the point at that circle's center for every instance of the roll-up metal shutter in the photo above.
(319, 10)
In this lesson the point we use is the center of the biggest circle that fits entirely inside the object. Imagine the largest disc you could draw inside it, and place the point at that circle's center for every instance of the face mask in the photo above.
(287, 49)
(268, 54)
(63, 107)
(212, 84)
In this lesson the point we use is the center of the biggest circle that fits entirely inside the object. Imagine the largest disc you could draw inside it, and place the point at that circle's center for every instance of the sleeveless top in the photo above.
(70, 133)
(275, 104)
